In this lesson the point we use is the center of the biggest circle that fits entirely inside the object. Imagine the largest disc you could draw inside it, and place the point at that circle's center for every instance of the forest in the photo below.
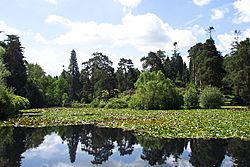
(166, 81)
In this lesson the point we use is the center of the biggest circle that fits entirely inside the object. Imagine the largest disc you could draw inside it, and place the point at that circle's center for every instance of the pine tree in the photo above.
(73, 78)
(206, 65)
(14, 62)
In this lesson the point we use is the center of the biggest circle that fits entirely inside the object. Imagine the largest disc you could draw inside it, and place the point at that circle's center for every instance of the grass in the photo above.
(212, 123)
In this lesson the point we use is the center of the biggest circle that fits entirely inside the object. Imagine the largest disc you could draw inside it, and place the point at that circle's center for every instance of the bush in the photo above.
(98, 103)
(211, 97)
(135, 103)
(117, 103)
(154, 91)
(5, 102)
(10, 103)
(191, 98)
(79, 105)
(19, 103)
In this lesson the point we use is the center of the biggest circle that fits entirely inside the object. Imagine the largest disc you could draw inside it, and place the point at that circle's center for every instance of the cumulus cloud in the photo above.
(201, 2)
(218, 14)
(226, 39)
(145, 32)
(129, 3)
(52, 1)
(243, 14)
(9, 30)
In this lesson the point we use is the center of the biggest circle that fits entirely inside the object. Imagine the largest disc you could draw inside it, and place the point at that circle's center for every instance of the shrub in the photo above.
(10, 103)
(98, 103)
(76, 104)
(5, 101)
(211, 97)
(191, 98)
(19, 102)
(117, 103)
(154, 91)
(135, 103)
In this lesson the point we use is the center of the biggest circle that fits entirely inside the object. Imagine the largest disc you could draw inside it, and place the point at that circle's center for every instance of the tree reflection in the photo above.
(207, 152)
(157, 150)
(240, 151)
(101, 143)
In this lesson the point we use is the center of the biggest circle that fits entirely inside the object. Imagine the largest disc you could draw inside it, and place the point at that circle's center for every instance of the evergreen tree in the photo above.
(99, 71)
(74, 78)
(3, 71)
(154, 61)
(14, 62)
(126, 75)
(206, 64)
(238, 70)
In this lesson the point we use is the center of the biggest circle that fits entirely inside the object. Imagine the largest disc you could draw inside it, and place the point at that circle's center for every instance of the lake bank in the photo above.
(197, 123)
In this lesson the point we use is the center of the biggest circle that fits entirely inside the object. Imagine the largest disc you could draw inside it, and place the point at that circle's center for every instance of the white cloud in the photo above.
(129, 3)
(9, 30)
(226, 40)
(201, 2)
(39, 38)
(52, 1)
(145, 32)
(218, 14)
(54, 19)
(243, 14)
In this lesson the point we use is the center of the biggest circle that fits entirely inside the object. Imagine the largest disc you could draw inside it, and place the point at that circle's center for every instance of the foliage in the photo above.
(14, 62)
(11, 103)
(35, 90)
(5, 101)
(191, 97)
(126, 75)
(3, 71)
(238, 70)
(76, 104)
(211, 97)
(19, 102)
(74, 78)
(153, 91)
(98, 103)
(206, 65)
(117, 103)
(99, 75)
(202, 123)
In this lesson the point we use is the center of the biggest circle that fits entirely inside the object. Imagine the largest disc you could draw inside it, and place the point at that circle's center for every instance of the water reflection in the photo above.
(89, 145)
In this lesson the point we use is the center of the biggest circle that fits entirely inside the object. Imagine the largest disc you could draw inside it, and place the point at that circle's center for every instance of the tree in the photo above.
(206, 65)
(238, 70)
(14, 62)
(154, 91)
(101, 75)
(74, 75)
(3, 71)
(154, 61)
(126, 75)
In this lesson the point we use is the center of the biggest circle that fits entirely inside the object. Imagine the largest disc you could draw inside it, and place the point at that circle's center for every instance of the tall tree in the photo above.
(126, 75)
(100, 73)
(74, 78)
(154, 61)
(3, 71)
(206, 64)
(14, 61)
(238, 70)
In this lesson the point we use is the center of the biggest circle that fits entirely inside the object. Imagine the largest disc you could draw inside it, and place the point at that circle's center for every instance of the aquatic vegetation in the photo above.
(196, 123)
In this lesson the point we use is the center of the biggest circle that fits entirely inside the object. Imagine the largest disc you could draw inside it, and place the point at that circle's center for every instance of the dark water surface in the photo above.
(82, 146)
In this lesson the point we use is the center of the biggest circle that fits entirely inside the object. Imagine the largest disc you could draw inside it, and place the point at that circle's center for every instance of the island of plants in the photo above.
(196, 123)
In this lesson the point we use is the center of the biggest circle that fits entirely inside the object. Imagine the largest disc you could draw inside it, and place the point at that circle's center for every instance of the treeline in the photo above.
(161, 84)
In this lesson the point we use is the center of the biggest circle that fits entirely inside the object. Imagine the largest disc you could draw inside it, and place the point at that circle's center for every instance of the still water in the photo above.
(83, 146)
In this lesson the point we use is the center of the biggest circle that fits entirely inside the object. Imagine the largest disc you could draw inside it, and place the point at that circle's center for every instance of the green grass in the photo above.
(213, 123)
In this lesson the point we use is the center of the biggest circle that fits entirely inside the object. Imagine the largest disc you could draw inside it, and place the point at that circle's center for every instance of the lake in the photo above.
(88, 145)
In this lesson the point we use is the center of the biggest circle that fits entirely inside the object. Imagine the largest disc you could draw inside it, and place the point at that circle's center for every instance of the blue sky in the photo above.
(50, 29)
